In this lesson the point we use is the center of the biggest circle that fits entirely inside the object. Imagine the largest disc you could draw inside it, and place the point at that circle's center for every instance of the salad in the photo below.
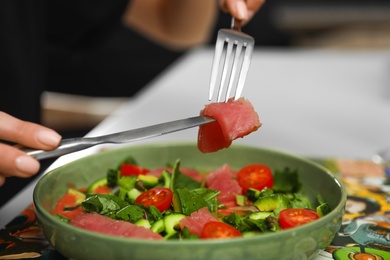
(176, 202)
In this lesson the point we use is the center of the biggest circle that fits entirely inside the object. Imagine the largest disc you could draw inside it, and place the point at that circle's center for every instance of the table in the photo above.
(317, 103)
(311, 102)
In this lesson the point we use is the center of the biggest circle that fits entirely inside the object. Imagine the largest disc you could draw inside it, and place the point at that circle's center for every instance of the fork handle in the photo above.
(236, 24)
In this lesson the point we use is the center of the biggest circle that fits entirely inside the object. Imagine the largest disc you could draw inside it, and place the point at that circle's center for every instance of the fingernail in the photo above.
(48, 137)
(242, 10)
(27, 164)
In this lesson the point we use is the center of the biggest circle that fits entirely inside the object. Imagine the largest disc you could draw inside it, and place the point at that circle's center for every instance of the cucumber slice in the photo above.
(143, 223)
(133, 193)
(260, 215)
(171, 223)
(96, 184)
(165, 179)
(80, 197)
(149, 181)
(323, 209)
(158, 226)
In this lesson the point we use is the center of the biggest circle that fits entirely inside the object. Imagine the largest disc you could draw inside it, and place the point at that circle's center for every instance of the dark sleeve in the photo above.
(22, 57)
(26, 27)
(78, 24)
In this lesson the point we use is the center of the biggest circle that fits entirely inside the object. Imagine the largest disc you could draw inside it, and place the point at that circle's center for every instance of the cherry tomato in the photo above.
(257, 176)
(293, 217)
(215, 229)
(128, 169)
(161, 198)
(67, 201)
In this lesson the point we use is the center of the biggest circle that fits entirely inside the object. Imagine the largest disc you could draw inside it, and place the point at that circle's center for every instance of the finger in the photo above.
(14, 162)
(223, 5)
(237, 8)
(241, 9)
(2, 180)
(27, 133)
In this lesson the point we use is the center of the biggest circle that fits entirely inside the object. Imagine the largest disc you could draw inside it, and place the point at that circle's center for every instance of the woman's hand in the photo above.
(13, 161)
(241, 9)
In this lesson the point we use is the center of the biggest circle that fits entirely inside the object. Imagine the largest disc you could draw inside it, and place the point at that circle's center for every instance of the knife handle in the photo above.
(66, 146)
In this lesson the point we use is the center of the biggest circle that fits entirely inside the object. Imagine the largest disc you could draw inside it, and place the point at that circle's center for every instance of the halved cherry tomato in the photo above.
(257, 176)
(66, 206)
(128, 169)
(215, 229)
(293, 217)
(161, 198)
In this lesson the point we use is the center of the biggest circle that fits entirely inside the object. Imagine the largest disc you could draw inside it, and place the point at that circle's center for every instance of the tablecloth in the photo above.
(364, 234)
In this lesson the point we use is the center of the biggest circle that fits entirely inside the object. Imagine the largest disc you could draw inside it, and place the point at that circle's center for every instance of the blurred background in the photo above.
(347, 24)
(124, 61)
(87, 84)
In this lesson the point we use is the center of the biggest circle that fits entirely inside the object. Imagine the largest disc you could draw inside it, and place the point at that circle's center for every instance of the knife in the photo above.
(76, 144)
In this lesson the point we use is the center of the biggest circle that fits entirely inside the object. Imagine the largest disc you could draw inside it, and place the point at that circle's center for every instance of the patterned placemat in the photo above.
(364, 234)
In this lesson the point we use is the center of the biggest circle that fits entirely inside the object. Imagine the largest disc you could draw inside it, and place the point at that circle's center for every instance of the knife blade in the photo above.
(76, 144)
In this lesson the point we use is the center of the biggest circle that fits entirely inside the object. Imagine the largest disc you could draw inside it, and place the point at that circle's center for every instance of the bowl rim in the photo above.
(283, 233)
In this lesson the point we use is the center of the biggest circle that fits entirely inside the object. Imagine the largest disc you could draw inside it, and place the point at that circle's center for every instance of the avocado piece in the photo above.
(273, 202)
(241, 200)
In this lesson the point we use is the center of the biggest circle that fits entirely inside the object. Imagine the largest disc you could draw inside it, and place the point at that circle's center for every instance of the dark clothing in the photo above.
(73, 46)
(22, 57)
(120, 65)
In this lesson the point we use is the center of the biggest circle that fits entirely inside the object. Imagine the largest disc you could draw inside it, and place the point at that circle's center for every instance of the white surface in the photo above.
(311, 102)
(316, 103)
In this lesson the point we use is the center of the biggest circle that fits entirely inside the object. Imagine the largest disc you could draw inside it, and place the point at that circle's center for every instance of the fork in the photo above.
(232, 57)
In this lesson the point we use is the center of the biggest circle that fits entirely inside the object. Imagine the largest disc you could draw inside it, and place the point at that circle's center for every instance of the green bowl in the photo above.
(297, 243)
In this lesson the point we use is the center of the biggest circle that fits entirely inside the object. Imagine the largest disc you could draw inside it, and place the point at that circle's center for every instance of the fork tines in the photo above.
(232, 57)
